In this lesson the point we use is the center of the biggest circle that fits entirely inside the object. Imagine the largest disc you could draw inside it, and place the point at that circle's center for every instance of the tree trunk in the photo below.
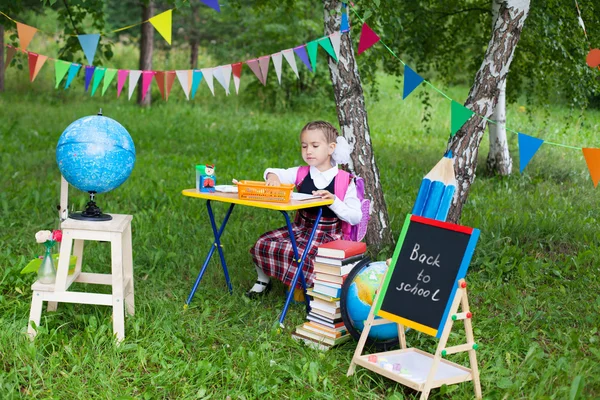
(498, 160)
(193, 54)
(195, 21)
(146, 47)
(484, 95)
(1, 58)
(352, 116)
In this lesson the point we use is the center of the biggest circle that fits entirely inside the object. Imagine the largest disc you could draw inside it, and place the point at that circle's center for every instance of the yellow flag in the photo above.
(163, 24)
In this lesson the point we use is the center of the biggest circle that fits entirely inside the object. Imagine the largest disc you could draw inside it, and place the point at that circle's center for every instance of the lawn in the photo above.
(533, 279)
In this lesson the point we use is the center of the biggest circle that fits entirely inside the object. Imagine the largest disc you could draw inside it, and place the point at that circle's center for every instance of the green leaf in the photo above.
(576, 388)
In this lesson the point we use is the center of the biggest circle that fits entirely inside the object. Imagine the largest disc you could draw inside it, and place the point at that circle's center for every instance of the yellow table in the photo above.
(232, 199)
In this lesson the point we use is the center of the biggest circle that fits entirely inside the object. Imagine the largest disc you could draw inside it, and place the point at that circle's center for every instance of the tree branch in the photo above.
(70, 16)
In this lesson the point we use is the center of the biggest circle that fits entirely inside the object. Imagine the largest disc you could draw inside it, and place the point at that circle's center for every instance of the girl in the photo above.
(322, 149)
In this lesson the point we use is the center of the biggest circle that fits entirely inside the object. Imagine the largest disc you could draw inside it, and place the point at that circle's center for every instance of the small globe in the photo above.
(357, 299)
(95, 154)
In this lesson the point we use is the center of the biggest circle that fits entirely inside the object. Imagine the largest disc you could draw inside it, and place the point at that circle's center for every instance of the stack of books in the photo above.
(334, 261)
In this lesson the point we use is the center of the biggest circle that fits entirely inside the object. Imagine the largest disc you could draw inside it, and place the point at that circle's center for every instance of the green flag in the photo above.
(98, 75)
(326, 44)
(312, 54)
(108, 77)
(60, 70)
(459, 114)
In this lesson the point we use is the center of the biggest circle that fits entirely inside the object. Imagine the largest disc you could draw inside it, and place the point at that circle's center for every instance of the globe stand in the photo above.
(91, 213)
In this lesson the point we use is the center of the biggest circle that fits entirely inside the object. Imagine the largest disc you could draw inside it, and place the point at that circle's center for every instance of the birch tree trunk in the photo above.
(146, 48)
(498, 159)
(352, 116)
(484, 95)
(1, 58)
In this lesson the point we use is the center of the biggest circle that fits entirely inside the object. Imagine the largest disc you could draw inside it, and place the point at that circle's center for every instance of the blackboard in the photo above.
(429, 259)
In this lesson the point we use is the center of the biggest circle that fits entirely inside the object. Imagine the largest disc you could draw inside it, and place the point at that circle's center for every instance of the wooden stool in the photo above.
(116, 231)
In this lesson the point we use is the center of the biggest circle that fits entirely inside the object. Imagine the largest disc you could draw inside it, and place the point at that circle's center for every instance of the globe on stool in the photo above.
(96, 155)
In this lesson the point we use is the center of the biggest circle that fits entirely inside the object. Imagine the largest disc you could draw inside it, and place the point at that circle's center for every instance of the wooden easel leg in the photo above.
(472, 353)
(402, 336)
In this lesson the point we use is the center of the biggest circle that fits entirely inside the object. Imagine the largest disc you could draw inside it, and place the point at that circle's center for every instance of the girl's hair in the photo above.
(328, 130)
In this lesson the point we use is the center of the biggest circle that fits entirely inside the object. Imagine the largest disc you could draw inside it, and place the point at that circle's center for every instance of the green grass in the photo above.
(533, 279)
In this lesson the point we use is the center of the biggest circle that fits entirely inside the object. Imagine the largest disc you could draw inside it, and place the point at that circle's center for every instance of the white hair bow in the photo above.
(341, 154)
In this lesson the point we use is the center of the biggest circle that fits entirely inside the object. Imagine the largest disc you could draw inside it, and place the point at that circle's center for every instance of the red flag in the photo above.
(367, 38)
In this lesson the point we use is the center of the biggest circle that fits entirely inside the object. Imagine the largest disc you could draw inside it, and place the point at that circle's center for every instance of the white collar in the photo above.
(328, 175)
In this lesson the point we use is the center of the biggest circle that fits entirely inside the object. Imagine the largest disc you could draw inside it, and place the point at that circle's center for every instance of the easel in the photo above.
(425, 371)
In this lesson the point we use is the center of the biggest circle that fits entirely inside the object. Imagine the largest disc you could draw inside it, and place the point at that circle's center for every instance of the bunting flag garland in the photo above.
(109, 75)
(312, 54)
(184, 78)
(344, 25)
(25, 33)
(236, 70)
(163, 23)
(592, 159)
(98, 76)
(302, 55)
(212, 4)
(289, 57)
(73, 70)
(411, 81)
(10, 53)
(263, 63)
(165, 80)
(207, 74)
(528, 146)
(593, 58)
(36, 61)
(253, 64)
(89, 44)
(223, 75)
(196, 79)
(277, 61)
(60, 70)
(326, 45)
(121, 78)
(89, 73)
(459, 115)
(134, 77)
(146, 82)
(336, 41)
(367, 38)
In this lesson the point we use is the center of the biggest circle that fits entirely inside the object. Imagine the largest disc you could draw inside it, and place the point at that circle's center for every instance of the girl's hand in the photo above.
(272, 180)
(324, 194)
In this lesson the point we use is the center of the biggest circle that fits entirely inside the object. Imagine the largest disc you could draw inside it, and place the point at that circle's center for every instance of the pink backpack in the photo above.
(341, 182)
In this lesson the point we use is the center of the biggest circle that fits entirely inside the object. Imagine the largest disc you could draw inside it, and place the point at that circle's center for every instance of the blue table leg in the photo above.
(216, 244)
(300, 261)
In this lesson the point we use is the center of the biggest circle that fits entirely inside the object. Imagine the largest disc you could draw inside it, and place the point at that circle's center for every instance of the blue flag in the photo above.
(528, 146)
(89, 43)
(411, 81)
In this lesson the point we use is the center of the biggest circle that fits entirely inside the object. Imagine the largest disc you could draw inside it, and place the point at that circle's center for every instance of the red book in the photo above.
(341, 249)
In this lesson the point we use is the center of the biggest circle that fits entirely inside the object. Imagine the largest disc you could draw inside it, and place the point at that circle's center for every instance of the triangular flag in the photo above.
(10, 53)
(411, 81)
(89, 44)
(289, 57)
(263, 62)
(253, 64)
(165, 82)
(89, 73)
(183, 77)
(213, 4)
(160, 80)
(25, 33)
(236, 70)
(592, 158)
(146, 82)
(109, 75)
(301, 52)
(528, 146)
(73, 70)
(344, 26)
(134, 77)
(336, 41)
(277, 60)
(98, 76)
(223, 75)
(60, 70)
(326, 44)
(459, 114)
(367, 38)
(196, 79)
(208, 78)
(38, 61)
(312, 53)
(121, 78)
(163, 24)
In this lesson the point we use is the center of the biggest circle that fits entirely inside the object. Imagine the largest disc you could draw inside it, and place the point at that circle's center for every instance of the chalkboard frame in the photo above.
(462, 271)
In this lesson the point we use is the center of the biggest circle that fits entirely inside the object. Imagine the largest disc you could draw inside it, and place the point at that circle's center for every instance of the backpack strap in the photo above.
(342, 181)
(301, 174)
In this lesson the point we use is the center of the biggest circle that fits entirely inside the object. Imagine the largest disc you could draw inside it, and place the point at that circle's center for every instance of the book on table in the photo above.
(321, 296)
(328, 289)
(341, 249)
(339, 261)
(335, 269)
(336, 279)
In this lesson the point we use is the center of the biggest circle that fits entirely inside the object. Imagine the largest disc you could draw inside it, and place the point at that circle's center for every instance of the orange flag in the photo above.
(165, 81)
(26, 33)
(592, 158)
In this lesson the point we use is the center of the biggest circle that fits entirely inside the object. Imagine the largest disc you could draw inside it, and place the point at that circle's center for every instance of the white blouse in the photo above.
(347, 210)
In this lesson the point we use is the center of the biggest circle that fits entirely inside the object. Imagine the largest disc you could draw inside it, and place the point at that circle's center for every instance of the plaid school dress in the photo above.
(273, 251)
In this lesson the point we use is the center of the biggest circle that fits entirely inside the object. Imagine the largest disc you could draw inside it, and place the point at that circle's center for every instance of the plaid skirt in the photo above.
(274, 254)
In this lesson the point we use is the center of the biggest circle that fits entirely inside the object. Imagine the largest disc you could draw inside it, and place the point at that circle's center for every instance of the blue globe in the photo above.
(95, 154)
(359, 300)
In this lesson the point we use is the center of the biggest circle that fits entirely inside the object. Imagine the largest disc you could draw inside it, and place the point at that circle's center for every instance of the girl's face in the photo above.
(316, 152)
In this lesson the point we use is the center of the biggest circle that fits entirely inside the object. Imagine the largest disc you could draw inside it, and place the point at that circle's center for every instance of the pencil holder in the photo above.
(205, 178)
